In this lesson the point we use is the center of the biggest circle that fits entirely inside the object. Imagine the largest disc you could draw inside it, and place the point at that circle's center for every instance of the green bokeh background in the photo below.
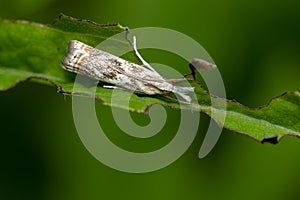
(256, 46)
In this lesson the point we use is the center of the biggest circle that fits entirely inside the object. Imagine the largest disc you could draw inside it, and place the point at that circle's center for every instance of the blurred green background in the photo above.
(256, 46)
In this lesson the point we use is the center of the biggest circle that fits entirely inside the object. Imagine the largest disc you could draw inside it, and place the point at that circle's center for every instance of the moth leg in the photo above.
(111, 87)
(116, 87)
(179, 80)
(177, 101)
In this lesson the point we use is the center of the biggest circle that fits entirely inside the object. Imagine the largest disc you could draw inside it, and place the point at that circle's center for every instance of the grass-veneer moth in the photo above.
(100, 65)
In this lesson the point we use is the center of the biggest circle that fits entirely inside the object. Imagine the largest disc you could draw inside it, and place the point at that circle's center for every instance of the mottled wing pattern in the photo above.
(103, 66)
(86, 60)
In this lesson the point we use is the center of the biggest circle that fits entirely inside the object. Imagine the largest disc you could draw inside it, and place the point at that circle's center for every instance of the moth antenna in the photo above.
(133, 44)
(140, 57)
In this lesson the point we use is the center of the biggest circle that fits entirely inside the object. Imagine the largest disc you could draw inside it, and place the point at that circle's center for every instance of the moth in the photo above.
(103, 66)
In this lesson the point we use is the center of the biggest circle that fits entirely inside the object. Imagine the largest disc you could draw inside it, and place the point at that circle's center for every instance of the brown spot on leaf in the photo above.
(270, 139)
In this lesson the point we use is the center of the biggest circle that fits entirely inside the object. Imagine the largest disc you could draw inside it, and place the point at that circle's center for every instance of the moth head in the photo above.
(77, 52)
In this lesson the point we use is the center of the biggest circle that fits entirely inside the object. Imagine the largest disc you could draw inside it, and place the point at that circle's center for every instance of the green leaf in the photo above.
(270, 123)
(32, 51)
